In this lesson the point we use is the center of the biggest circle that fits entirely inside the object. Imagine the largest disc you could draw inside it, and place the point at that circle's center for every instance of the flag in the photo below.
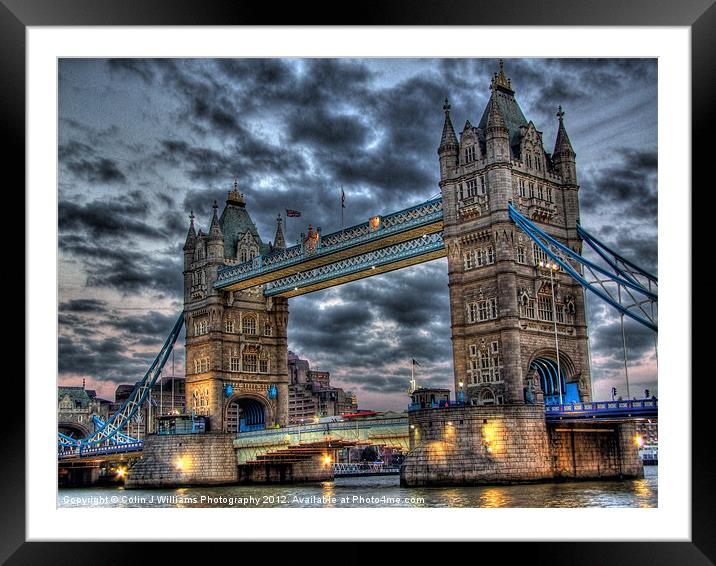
(415, 363)
(343, 198)
(293, 213)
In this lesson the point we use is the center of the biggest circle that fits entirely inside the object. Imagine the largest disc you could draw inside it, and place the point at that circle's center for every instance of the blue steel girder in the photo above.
(106, 432)
(423, 219)
(619, 288)
(403, 254)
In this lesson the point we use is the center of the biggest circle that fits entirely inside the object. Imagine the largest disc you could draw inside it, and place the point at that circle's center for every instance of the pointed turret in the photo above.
(562, 146)
(564, 156)
(191, 234)
(449, 146)
(497, 135)
(495, 119)
(215, 245)
(448, 141)
(279, 243)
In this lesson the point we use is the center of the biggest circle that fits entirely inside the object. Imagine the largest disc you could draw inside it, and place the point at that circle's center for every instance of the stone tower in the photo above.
(236, 345)
(503, 331)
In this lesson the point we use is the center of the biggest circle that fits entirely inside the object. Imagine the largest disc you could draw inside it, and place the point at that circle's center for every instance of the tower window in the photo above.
(201, 327)
(483, 188)
(229, 326)
(249, 363)
(248, 325)
(201, 365)
(479, 311)
(470, 154)
(267, 329)
(469, 264)
(263, 366)
(521, 257)
(471, 187)
(234, 364)
(544, 308)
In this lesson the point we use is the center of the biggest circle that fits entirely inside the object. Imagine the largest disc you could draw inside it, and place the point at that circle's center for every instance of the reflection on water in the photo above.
(380, 491)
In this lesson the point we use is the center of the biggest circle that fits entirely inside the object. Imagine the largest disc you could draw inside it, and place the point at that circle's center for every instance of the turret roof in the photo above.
(235, 222)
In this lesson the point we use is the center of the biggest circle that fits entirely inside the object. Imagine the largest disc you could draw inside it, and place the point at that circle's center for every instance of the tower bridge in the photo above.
(508, 222)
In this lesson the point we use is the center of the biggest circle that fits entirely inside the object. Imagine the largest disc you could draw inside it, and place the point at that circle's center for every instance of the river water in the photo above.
(377, 491)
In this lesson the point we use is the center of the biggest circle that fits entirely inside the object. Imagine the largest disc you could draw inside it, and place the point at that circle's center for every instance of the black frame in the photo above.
(699, 15)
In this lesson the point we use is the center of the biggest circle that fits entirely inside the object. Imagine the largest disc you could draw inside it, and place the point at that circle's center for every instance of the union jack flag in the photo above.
(293, 213)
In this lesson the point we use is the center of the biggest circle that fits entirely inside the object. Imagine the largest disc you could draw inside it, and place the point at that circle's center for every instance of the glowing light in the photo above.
(639, 441)
(182, 463)
(327, 460)
(121, 472)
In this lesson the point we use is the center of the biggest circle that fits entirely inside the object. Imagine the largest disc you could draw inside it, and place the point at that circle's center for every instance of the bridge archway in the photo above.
(553, 377)
(246, 412)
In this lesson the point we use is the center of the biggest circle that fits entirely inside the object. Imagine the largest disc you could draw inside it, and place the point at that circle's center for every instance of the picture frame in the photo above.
(17, 15)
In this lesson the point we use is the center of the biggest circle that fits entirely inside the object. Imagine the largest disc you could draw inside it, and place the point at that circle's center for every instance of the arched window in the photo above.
(248, 325)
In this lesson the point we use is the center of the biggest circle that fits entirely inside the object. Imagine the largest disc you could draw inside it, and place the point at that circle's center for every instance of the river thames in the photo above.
(376, 491)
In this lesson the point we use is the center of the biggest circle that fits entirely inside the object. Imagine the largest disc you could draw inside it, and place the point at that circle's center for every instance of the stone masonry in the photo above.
(185, 459)
(501, 298)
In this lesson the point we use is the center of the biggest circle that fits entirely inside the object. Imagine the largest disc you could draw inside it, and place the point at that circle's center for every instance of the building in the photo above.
(167, 397)
(236, 344)
(501, 291)
(75, 408)
(425, 397)
(310, 394)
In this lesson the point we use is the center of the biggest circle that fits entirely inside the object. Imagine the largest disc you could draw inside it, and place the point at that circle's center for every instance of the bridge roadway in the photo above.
(392, 432)
(399, 239)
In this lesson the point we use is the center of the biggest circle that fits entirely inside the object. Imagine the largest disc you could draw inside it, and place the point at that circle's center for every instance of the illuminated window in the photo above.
(248, 325)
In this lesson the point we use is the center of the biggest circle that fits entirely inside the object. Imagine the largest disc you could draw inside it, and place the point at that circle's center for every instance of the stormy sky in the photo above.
(143, 142)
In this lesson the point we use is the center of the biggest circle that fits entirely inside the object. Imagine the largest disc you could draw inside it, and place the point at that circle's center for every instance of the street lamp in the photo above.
(552, 267)
(461, 393)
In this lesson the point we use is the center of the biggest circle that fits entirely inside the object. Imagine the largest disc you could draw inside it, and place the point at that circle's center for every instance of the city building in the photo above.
(75, 408)
(167, 397)
(310, 394)
(505, 292)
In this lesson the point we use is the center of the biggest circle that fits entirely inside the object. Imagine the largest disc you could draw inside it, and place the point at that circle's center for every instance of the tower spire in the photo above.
(279, 243)
(215, 232)
(495, 119)
(191, 234)
(448, 139)
(562, 145)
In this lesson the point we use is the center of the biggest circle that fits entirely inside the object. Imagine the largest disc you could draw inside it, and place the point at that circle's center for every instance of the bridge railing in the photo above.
(418, 215)
(345, 468)
(435, 405)
(603, 406)
(323, 428)
(83, 451)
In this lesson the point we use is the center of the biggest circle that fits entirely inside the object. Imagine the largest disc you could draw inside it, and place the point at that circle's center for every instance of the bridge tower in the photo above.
(236, 345)
(501, 299)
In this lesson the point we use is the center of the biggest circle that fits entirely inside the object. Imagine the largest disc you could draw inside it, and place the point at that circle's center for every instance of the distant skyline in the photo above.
(144, 141)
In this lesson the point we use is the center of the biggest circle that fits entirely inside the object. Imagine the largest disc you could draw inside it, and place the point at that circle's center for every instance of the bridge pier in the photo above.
(502, 444)
(185, 459)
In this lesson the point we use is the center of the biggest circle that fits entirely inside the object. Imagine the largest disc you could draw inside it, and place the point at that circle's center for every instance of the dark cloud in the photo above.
(167, 136)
